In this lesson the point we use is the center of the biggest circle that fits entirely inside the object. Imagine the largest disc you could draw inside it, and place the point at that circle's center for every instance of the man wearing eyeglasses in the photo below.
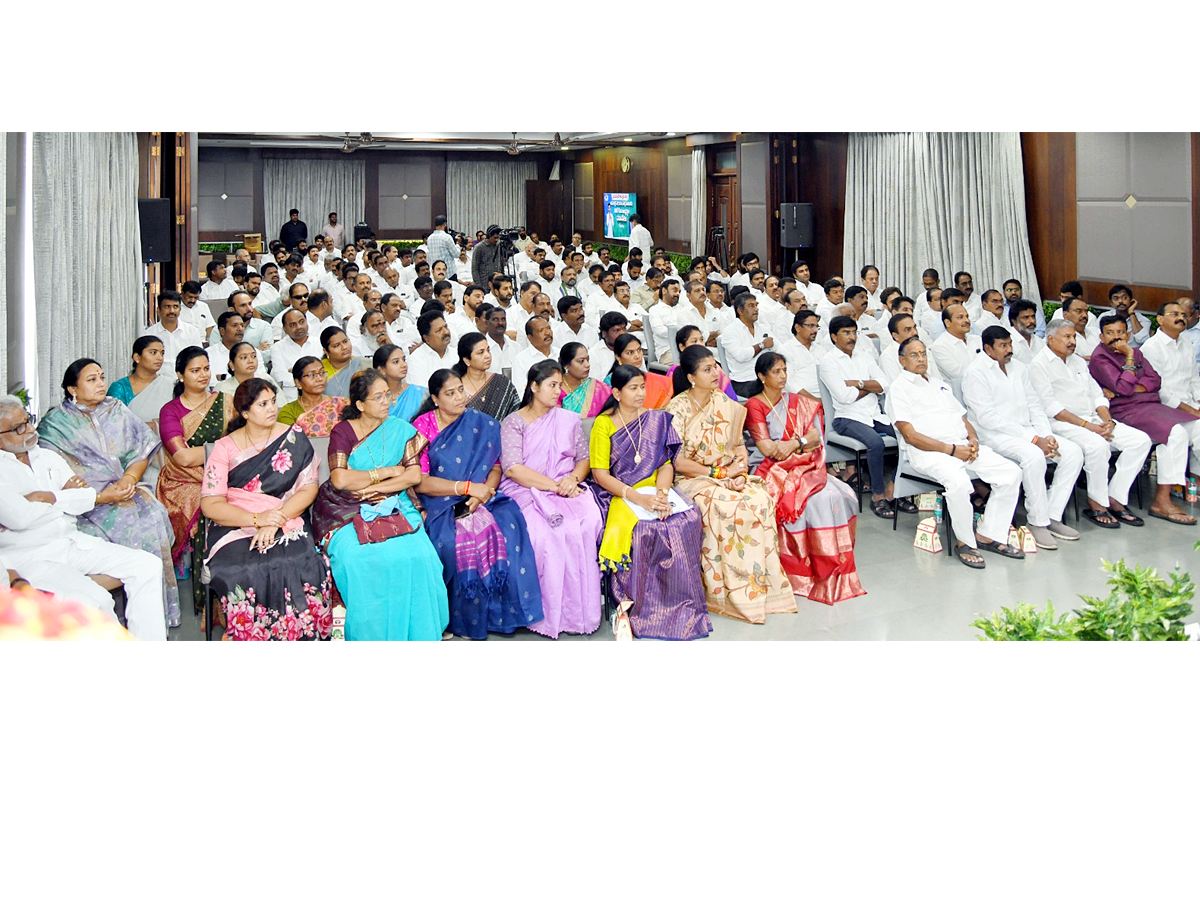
(39, 499)
(297, 298)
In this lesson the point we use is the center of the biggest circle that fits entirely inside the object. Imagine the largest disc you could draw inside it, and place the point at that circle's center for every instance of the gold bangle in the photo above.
(625, 493)
(256, 520)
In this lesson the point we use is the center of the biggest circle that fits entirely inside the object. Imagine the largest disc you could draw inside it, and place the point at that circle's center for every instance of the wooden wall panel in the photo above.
(810, 167)
(1049, 163)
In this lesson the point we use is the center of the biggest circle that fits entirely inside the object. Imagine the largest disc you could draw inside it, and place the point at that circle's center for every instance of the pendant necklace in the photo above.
(637, 450)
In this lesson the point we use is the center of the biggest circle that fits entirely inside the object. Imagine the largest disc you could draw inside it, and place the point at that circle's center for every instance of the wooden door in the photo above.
(548, 208)
(723, 209)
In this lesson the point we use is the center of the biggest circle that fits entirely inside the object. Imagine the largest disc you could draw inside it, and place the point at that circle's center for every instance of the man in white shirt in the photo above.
(929, 317)
(901, 327)
(297, 299)
(194, 312)
(826, 308)
(571, 327)
(601, 353)
(1172, 359)
(435, 351)
(868, 328)
(869, 276)
(812, 291)
(295, 343)
(293, 273)
(957, 348)
(1022, 322)
(633, 274)
(661, 318)
(645, 295)
(798, 349)
(941, 444)
(502, 347)
(231, 329)
(1191, 309)
(1075, 310)
(522, 311)
(39, 499)
(965, 283)
(1120, 298)
(855, 384)
(1079, 414)
(622, 302)
(694, 310)
(462, 322)
(539, 340)
(722, 310)
(1013, 292)
(173, 333)
(743, 341)
(218, 286)
(267, 302)
(1009, 418)
(639, 235)
(312, 265)
(258, 332)
(930, 281)
(320, 307)
(746, 263)
(334, 231)
(991, 312)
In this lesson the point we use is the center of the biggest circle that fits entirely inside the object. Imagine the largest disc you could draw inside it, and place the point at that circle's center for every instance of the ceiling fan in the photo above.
(363, 139)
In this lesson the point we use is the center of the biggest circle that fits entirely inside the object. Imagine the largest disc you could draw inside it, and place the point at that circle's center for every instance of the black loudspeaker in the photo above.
(796, 224)
(362, 230)
(155, 219)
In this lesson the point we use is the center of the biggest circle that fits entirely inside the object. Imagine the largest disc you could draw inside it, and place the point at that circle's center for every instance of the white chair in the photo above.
(839, 448)
(673, 330)
(907, 484)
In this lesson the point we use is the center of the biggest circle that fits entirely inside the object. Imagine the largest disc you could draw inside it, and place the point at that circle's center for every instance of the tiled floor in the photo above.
(913, 595)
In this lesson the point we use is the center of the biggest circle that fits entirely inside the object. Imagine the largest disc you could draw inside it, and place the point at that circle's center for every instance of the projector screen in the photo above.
(617, 210)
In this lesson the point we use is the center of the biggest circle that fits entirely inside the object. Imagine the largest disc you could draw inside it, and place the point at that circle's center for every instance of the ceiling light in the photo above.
(628, 139)
(670, 134)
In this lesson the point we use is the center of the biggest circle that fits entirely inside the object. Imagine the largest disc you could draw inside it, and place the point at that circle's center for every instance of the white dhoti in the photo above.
(1003, 476)
(1041, 505)
(1133, 446)
(1173, 455)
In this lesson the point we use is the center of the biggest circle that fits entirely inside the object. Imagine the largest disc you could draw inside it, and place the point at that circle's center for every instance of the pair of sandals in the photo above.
(1112, 518)
(883, 508)
(970, 557)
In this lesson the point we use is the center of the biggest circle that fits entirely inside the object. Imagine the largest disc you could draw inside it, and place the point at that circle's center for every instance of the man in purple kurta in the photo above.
(1125, 372)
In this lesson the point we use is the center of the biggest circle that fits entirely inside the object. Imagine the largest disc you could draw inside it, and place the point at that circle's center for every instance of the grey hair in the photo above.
(9, 403)
(1057, 325)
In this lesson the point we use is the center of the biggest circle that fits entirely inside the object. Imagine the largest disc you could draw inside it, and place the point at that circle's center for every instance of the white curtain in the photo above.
(87, 253)
(488, 192)
(699, 203)
(947, 201)
(4, 354)
(316, 187)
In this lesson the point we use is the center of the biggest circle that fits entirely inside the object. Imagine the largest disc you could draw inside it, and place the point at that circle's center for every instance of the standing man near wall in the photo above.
(293, 231)
(488, 257)
(441, 246)
(334, 231)
(639, 236)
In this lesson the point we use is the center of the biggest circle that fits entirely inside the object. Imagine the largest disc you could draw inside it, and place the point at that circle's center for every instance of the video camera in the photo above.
(511, 234)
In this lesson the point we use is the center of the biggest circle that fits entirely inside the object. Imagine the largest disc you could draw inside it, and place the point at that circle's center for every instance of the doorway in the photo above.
(724, 205)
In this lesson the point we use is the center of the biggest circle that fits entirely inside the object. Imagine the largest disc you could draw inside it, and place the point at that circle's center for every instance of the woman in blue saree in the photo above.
(390, 362)
(487, 559)
(383, 564)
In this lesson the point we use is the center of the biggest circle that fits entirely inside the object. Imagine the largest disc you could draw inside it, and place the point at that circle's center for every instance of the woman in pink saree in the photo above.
(544, 457)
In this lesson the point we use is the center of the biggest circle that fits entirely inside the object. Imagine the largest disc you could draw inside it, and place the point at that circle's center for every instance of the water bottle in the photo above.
(937, 509)
(1191, 489)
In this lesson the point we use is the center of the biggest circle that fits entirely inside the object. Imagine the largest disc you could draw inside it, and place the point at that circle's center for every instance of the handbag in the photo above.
(381, 528)
(622, 630)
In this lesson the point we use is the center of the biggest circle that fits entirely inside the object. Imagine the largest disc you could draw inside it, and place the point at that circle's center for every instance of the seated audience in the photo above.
(316, 411)
(901, 327)
(174, 334)
(654, 556)
(295, 343)
(743, 341)
(142, 390)
(689, 336)
(1008, 417)
(855, 385)
(539, 336)
(39, 538)
(435, 351)
(957, 347)
(799, 350)
(743, 577)
(404, 398)
(628, 351)
(1122, 369)
(941, 445)
(480, 535)
(544, 456)
(1022, 322)
(491, 394)
(582, 394)
(195, 417)
(385, 568)
(339, 361)
(1120, 298)
(244, 364)
(814, 514)
(271, 580)
(1174, 361)
(612, 326)
(1079, 413)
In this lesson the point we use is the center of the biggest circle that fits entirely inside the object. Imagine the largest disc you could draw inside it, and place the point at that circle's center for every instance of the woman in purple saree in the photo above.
(656, 562)
(544, 457)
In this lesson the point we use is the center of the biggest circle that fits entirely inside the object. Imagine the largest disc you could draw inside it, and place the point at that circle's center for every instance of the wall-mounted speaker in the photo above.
(796, 224)
(154, 217)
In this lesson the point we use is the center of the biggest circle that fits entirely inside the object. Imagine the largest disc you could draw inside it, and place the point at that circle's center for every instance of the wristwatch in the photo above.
(860, 384)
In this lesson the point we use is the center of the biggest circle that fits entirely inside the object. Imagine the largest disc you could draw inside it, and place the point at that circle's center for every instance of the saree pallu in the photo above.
(564, 531)
(488, 562)
(659, 389)
(338, 384)
(587, 399)
(743, 576)
(282, 593)
(318, 421)
(655, 564)
(406, 405)
(393, 590)
(497, 398)
(816, 515)
(178, 487)
(100, 445)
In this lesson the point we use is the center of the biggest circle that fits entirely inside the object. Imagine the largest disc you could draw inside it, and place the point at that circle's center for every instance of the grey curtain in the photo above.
(948, 201)
(699, 202)
(316, 187)
(483, 193)
(87, 254)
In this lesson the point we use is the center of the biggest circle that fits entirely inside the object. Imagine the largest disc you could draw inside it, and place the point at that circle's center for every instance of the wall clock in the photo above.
(626, 163)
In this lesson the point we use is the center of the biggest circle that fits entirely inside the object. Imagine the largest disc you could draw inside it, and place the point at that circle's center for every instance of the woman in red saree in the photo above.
(815, 513)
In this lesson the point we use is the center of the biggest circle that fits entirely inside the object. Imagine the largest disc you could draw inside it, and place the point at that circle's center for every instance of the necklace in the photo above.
(259, 446)
(785, 420)
(470, 383)
(637, 453)
(383, 449)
